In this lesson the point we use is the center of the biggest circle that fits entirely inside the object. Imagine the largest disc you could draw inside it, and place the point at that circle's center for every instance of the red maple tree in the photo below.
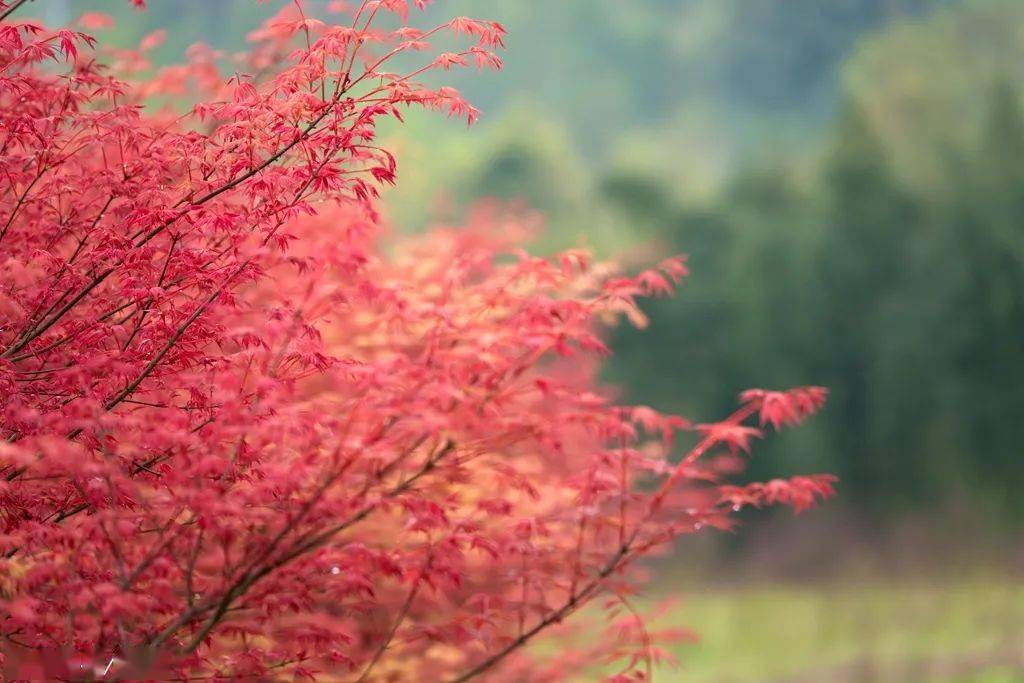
(247, 435)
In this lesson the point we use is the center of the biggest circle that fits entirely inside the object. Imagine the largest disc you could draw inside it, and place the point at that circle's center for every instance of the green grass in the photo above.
(970, 632)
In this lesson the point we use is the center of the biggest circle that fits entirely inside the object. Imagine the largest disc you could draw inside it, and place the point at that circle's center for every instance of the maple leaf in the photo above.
(735, 436)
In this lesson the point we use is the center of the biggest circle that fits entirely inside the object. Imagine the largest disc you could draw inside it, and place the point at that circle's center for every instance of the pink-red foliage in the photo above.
(242, 438)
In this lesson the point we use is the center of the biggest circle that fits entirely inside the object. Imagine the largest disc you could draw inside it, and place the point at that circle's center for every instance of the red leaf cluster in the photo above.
(244, 436)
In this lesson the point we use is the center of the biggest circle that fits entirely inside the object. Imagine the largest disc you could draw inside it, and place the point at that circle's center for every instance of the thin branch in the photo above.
(574, 602)
(255, 573)
(578, 597)
(402, 614)
(12, 8)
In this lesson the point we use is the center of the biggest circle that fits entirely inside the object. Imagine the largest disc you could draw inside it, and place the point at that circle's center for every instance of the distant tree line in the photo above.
(907, 301)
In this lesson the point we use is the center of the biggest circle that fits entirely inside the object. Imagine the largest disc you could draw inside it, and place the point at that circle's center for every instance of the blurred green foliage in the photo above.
(906, 297)
(847, 176)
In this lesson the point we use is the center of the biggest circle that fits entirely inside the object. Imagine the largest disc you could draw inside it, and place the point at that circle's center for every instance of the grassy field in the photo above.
(971, 632)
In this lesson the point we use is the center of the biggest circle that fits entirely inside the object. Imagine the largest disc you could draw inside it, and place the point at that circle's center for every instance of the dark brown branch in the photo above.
(575, 600)
(402, 614)
(12, 8)
(257, 572)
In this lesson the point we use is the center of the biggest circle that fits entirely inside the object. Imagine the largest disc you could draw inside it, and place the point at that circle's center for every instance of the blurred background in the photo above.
(848, 179)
